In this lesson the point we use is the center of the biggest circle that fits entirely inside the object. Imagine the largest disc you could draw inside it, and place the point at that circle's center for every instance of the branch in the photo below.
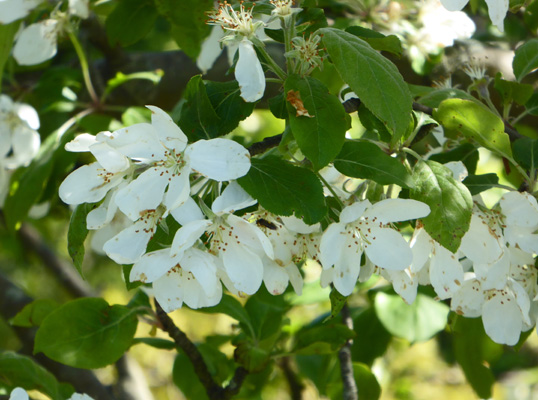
(214, 391)
(346, 365)
(295, 384)
(266, 144)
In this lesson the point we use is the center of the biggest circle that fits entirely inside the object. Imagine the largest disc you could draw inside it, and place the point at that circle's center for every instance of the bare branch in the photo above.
(350, 391)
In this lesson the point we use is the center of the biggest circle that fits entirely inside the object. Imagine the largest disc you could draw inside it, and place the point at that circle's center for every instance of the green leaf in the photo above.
(525, 59)
(377, 40)
(320, 135)
(372, 77)
(530, 16)
(226, 100)
(322, 339)
(265, 313)
(130, 21)
(513, 91)
(532, 104)
(188, 19)
(526, 152)
(158, 343)
(7, 34)
(415, 322)
(337, 303)
(77, 233)
(474, 122)
(466, 153)
(199, 119)
(369, 330)
(121, 78)
(231, 307)
(368, 387)
(186, 380)
(365, 160)
(34, 313)
(479, 183)
(21, 371)
(449, 200)
(284, 189)
(86, 333)
(469, 339)
(277, 105)
(373, 124)
(436, 97)
(29, 183)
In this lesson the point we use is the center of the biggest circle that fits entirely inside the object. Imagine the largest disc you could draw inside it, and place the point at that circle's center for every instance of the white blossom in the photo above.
(497, 9)
(12, 10)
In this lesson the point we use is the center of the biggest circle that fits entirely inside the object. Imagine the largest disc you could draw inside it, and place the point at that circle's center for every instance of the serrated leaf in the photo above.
(474, 122)
(284, 189)
(526, 152)
(365, 160)
(479, 183)
(130, 21)
(377, 40)
(525, 59)
(415, 322)
(34, 313)
(198, 117)
(449, 200)
(321, 133)
(86, 333)
(77, 233)
(20, 371)
(372, 77)
(469, 338)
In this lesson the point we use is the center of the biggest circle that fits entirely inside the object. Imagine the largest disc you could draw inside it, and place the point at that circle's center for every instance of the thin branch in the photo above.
(350, 391)
(214, 391)
(295, 384)
(266, 144)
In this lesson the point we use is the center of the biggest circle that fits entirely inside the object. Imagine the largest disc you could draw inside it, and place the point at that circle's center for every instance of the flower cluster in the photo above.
(19, 139)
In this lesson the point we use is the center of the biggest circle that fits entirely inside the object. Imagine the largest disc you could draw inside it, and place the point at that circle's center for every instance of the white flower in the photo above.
(12, 10)
(364, 227)
(521, 220)
(37, 42)
(249, 73)
(497, 9)
(283, 8)
(80, 8)
(20, 394)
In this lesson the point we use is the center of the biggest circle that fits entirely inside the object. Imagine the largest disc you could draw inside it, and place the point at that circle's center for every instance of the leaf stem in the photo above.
(330, 188)
(268, 59)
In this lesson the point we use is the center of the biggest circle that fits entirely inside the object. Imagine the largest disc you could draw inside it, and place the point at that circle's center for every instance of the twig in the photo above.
(214, 391)
(266, 144)
(350, 391)
(295, 384)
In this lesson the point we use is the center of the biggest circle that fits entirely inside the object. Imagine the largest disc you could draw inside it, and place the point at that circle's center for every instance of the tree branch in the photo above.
(350, 391)
(214, 391)
(294, 383)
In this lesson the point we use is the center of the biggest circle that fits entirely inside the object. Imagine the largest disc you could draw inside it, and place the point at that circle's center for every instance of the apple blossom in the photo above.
(497, 9)
(12, 10)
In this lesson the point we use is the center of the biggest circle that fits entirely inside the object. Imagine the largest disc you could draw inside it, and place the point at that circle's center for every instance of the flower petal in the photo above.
(233, 198)
(244, 268)
(249, 73)
(446, 273)
(388, 249)
(169, 133)
(502, 318)
(395, 210)
(36, 43)
(128, 246)
(187, 212)
(497, 10)
(152, 266)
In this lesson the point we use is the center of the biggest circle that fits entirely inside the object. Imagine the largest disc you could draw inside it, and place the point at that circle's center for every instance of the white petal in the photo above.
(80, 8)
(295, 277)
(88, 184)
(36, 43)
(25, 144)
(187, 235)
(102, 215)
(468, 299)
(394, 210)
(28, 114)
(354, 212)
(152, 266)
(459, 171)
(446, 273)
(168, 290)
(297, 225)
(218, 159)
(195, 297)
(481, 244)
(169, 133)
(232, 198)
(249, 73)
(179, 188)
(454, 5)
(275, 277)
(17, 393)
(203, 266)
(502, 318)
(523, 237)
(494, 276)
(211, 49)
(187, 212)
(421, 246)
(128, 246)
(138, 142)
(111, 159)
(332, 244)
(497, 12)
(81, 143)
(520, 209)
(244, 268)
(522, 299)
(403, 284)
(144, 193)
(388, 249)
(346, 271)
(250, 235)
(12, 10)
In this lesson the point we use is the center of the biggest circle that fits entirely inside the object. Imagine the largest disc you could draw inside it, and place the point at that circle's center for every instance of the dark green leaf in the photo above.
(369, 330)
(77, 233)
(186, 379)
(372, 77)
(337, 303)
(469, 339)
(7, 34)
(277, 105)
(158, 343)
(228, 104)
(265, 313)
(377, 40)
(21, 371)
(34, 313)
(532, 104)
(309, 20)
(525, 59)
(231, 307)
(415, 322)
(130, 21)
(285, 189)
(449, 200)
(198, 117)
(436, 97)
(188, 19)
(373, 124)
(474, 122)
(466, 153)
(479, 183)
(321, 133)
(513, 91)
(367, 161)
(322, 339)
(139, 300)
(531, 16)
(86, 333)
(526, 152)
(368, 387)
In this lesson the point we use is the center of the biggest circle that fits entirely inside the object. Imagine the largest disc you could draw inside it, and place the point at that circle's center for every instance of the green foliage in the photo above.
(130, 21)
(77, 234)
(367, 161)
(369, 329)
(513, 91)
(86, 333)
(526, 152)
(372, 77)
(322, 339)
(525, 59)
(7, 34)
(449, 200)
(479, 183)
(284, 189)
(320, 134)
(34, 313)
(377, 40)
